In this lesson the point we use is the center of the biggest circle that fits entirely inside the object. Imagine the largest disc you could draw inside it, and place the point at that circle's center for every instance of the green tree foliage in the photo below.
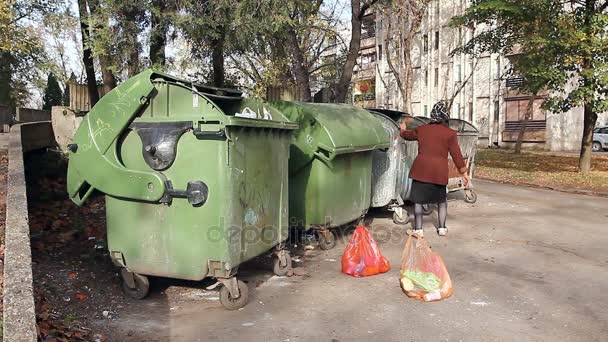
(260, 43)
(564, 48)
(53, 96)
(20, 48)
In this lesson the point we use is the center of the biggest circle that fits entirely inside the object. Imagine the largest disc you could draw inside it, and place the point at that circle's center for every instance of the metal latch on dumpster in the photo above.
(196, 192)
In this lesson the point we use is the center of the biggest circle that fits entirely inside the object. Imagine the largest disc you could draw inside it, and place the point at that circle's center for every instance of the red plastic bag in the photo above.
(423, 273)
(362, 257)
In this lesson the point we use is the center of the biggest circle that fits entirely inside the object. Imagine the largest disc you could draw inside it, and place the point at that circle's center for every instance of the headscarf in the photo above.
(440, 113)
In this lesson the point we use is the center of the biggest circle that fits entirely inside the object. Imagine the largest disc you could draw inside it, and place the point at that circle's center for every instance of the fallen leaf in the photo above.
(80, 296)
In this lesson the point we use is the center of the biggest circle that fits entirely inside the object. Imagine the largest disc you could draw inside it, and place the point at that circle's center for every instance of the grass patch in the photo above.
(542, 169)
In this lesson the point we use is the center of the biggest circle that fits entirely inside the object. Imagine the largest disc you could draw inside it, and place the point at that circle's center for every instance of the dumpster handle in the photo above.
(211, 135)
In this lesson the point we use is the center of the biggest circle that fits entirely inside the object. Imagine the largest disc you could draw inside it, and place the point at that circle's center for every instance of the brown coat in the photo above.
(435, 141)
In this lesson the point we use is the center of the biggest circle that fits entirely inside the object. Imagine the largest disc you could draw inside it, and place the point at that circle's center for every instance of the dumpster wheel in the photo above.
(404, 218)
(282, 263)
(141, 286)
(231, 303)
(427, 209)
(327, 239)
(470, 196)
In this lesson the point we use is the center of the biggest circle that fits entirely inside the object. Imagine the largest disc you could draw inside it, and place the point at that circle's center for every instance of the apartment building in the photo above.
(364, 73)
(480, 89)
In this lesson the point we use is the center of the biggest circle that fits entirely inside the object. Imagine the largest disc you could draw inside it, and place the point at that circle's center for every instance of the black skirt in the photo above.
(427, 193)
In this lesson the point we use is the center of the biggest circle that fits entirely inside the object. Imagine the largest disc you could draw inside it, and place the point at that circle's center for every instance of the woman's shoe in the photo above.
(442, 231)
(416, 232)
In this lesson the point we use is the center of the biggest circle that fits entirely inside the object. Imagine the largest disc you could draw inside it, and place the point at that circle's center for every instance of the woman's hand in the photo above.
(465, 174)
(467, 179)
(404, 122)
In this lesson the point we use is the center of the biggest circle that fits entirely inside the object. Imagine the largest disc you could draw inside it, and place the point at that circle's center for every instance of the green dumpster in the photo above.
(195, 180)
(330, 165)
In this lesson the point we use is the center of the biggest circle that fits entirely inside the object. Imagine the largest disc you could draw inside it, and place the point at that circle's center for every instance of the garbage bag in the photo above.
(423, 273)
(362, 257)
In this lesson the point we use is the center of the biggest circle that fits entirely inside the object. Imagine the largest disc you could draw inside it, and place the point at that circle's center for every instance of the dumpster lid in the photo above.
(327, 130)
(397, 116)
(236, 110)
(391, 113)
(462, 126)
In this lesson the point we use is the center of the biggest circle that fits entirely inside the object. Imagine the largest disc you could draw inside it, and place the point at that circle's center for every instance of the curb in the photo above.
(536, 186)
(19, 317)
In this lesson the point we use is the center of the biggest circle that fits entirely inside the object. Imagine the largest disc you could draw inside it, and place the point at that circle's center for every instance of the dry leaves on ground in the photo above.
(558, 171)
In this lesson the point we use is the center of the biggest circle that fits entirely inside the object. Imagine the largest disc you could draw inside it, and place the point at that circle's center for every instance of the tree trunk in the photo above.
(590, 119)
(87, 55)
(131, 18)
(300, 69)
(353, 52)
(590, 116)
(105, 61)
(408, 22)
(6, 75)
(158, 33)
(524, 125)
(389, 60)
(409, 73)
(109, 81)
(217, 57)
(133, 62)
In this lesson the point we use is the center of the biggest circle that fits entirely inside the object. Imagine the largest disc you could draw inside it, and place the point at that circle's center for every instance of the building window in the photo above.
(458, 73)
(426, 110)
(379, 52)
(425, 42)
(436, 77)
(460, 36)
(426, 78)
(436, 40)
(515, 82)
(496, 111)
(471, 112)
(457, 109)
(498, 69)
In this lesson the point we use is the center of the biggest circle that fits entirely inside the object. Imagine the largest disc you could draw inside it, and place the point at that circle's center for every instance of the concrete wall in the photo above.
(6, 115)
(23, 115)
(19, 318)
(65, 122)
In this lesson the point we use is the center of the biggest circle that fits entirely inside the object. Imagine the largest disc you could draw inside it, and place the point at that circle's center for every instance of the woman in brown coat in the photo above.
(429, 172)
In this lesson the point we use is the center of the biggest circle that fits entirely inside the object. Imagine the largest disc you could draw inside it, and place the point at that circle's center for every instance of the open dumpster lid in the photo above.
(162, 108)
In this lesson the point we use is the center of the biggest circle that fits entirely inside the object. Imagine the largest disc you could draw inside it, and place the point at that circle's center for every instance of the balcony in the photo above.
(367, 42)
(367, 71)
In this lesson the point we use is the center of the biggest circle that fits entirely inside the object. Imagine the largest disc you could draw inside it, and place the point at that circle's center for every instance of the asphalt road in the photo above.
(527, 265)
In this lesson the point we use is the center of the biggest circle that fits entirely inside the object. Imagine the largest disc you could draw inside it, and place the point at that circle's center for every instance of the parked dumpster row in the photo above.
(199, 179)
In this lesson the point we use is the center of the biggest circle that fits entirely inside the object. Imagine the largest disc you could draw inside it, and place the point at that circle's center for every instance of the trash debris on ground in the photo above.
(423, 273)
(51, 328)
(362, 256)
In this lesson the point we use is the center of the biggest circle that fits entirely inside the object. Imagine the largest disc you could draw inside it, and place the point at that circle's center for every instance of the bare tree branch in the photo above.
(391, 66)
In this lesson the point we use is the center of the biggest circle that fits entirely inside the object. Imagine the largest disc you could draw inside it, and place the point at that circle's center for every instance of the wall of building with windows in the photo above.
(479, 88)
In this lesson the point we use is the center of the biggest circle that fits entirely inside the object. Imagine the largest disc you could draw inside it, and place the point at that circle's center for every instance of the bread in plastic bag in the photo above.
(423, 274)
